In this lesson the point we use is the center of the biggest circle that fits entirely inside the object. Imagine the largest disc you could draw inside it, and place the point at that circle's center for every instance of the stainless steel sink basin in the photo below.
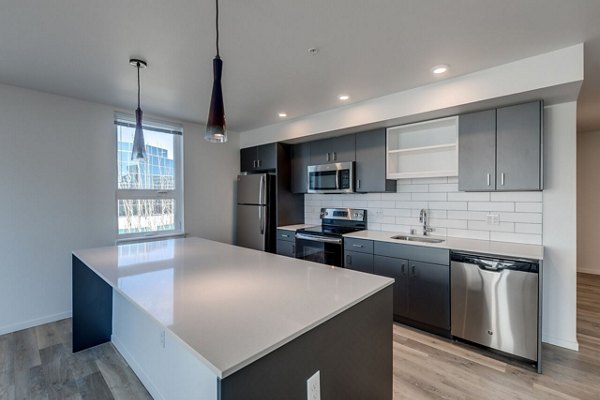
(418, 239)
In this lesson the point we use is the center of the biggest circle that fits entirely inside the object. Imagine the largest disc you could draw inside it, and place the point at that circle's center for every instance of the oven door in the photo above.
(320, 249)
(331, 178)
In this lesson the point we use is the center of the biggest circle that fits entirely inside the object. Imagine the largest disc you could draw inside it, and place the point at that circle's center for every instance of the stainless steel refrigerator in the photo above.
(255, 228)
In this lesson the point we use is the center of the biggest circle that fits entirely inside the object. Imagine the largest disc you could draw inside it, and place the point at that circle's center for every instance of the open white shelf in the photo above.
(423, 150)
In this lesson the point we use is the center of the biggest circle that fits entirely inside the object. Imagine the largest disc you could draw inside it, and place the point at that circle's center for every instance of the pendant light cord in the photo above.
(138, 68)
(217, 25)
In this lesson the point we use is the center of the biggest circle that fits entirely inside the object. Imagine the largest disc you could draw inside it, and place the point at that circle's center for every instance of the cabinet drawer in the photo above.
(285, 248)
(360, 245)
(412, 252)
(358, 261)
(288, 236)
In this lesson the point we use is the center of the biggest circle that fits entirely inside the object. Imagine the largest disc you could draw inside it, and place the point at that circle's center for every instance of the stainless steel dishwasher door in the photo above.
(494, 305)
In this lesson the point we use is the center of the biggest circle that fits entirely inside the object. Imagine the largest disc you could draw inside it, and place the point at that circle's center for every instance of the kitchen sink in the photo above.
(418, 239)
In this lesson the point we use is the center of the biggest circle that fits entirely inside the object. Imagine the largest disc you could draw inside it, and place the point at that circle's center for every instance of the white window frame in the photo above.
(129, 194)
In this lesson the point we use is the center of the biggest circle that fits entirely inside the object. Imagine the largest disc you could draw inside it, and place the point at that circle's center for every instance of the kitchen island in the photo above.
(206, 320)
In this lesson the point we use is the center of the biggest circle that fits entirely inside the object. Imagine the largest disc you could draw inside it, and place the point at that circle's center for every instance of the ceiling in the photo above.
(366, 49)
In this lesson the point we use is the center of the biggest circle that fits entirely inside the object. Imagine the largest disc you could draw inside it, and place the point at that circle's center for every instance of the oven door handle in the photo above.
(318, 238)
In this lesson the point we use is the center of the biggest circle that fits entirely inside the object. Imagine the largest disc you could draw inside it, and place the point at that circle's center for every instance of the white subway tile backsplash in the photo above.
(381, 204)
(444, 187)
(468, 196)
(517, 196)
(529, 207)
(528, 228)
(429, 196)
(484, 226)
(491, 206)
(516, 237)
(466, 234)
(448, 205)
(450, 212)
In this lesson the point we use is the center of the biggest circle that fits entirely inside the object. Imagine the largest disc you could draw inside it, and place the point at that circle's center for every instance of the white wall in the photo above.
(57, 174)
(451, 213)
(560, 225)
(588, 202)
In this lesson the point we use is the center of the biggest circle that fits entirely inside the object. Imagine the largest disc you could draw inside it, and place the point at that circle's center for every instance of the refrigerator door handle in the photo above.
(261, 221)
(261, 189)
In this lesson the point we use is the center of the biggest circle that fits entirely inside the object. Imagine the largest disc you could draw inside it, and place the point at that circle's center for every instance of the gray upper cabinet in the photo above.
(501, 149)
(518, 147)
(258, 158)
(338, 149)
(477, 151)
(300, 160)
(371, 163)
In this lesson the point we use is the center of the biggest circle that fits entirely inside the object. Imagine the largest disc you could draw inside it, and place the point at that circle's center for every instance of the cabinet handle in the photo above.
(284, 235)
(327, 156)
(348, 259)
(488, 179)
(413, 272)
(258, 162)
(360, 246)
(402, 269)
(358, 183)
(333, 156)
(502, 179)
(254, 164)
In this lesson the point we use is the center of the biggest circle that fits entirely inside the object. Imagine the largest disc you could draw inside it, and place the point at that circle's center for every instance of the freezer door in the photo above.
(251, 226)
(252, 189)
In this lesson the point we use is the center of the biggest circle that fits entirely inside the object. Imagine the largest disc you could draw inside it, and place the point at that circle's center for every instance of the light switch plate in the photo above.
(313, 387)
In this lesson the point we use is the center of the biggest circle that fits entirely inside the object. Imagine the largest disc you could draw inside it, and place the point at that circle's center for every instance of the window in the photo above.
(149, 192)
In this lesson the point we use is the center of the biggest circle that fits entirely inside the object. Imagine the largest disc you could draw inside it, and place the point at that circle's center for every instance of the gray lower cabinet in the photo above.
(300, 162)
(358, 261)
(285, 248)
(429, 294)
(501, 149)
(338, 149)
(394, 268)
(371, 163)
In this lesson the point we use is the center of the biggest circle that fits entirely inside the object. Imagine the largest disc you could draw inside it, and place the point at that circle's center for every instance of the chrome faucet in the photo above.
(423, 220)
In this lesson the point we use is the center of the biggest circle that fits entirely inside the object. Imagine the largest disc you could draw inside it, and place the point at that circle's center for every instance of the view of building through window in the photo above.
(147, 190)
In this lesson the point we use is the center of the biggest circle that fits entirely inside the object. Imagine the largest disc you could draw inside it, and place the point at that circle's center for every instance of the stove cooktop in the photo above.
(329, 230)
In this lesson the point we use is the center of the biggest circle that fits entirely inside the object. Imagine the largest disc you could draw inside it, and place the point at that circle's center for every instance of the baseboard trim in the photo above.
(567, 344)
(137, 368)
(593, 271)
(34, 322)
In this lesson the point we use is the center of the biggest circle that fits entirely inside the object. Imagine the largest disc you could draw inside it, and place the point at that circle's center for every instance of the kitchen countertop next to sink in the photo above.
(528, 251)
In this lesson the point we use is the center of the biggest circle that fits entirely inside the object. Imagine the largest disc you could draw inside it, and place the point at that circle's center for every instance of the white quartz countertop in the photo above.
(229, 304)
(295, 227)
(529, 251)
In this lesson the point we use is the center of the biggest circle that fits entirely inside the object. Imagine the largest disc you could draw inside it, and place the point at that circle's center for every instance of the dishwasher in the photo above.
(495, 302)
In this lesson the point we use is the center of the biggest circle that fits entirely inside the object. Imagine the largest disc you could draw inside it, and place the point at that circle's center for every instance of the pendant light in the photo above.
(215, 128)
(138, 152)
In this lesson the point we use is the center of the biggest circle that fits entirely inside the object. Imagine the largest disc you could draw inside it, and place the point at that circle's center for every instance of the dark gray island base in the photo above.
(351, 350)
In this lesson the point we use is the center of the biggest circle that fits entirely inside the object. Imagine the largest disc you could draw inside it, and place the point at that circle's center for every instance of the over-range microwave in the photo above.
(331, 178)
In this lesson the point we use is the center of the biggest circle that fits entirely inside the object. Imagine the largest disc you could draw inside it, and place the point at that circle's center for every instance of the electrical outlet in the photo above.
(313, 387)
(493, 219)
(162, 339)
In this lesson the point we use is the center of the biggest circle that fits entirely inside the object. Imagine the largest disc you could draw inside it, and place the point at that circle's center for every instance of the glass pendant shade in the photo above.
(216, 131)
(139, 147)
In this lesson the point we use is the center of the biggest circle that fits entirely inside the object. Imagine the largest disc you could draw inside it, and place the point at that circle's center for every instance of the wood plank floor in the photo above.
(37, 363)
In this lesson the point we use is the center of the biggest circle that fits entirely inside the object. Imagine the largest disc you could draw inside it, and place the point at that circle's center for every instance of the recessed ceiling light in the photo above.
(439, 69)
(344, 97)
(282, 115)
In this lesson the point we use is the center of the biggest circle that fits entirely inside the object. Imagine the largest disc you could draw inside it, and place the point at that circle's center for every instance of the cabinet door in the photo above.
(267, 156)
(286, 248)
(429, 294)
(248, 157)
(343, 148)
(358, 261)
(370, 163)
(320, 152)
(518, 151)
(300, 160)
(477, 151)
(394, 268)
